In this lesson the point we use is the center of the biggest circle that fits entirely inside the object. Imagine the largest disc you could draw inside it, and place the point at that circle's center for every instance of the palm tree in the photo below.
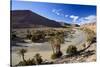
(22, 53)
(51, 43)
(56, 43)
(58, 40)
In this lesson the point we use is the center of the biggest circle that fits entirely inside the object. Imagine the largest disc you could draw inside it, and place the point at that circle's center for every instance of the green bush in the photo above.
(37, 35)
(71, 49)
(34, 38)
(34, 61)
(21, 63)
(38, 59)
(53, 56)
(56, 55)
(28, 36)
(28, 62)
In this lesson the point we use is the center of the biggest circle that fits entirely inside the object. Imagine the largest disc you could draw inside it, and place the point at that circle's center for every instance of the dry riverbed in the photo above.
(79, 37)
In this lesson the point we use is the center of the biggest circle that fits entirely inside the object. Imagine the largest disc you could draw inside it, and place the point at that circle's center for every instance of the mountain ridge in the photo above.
(29, 19)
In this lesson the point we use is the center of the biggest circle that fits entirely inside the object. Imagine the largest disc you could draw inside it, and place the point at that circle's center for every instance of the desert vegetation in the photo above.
(36, 35)
(55, 38)
(91, 35)
(22, 53)
(71, 50)
(56, 42)
(54, 35)
(36, 60)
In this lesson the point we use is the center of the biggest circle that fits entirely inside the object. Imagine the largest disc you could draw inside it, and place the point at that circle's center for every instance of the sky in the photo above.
(69, 13)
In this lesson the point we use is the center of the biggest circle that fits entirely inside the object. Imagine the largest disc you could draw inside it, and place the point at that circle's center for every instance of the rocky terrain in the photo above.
(89, 55)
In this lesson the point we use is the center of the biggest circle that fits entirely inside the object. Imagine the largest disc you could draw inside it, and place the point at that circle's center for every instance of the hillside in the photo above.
(91, 26)
(27, 18)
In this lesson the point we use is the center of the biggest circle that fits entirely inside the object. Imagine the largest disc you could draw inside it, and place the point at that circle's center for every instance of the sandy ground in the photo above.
(45, 48)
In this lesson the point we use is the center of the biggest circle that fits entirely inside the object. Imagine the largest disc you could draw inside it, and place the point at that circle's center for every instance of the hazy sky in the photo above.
(60, 12)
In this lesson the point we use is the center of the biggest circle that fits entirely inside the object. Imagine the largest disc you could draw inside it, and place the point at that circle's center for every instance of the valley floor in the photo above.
(45, 50)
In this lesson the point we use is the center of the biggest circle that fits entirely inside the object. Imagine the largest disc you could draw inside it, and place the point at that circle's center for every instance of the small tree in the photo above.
(56, 42)
(51, 43)
(22, 53)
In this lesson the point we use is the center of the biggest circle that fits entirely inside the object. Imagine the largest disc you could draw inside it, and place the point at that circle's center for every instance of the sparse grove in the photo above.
(56, 41)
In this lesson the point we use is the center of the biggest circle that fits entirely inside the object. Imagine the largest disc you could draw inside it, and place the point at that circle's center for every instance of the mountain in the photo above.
(28, 19)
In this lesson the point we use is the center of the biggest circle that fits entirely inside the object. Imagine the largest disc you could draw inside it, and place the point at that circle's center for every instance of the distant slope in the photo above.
(27, 18)
(91, 26)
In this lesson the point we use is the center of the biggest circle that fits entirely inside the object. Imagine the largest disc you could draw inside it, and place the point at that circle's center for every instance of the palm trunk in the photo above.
(57, 48)
(52, 48)
(23, 58)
